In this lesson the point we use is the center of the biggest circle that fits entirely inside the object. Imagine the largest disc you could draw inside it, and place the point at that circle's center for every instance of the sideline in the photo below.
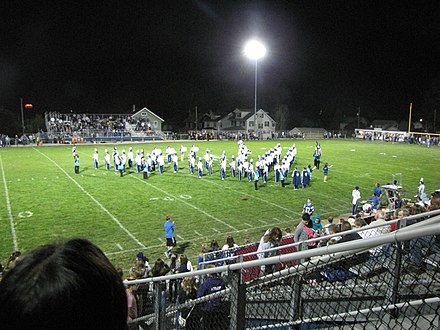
(94, 200)
(8, 206)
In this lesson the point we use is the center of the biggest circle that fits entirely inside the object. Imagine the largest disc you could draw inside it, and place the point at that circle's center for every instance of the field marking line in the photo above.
(161, 240)
(119, 247)
(216, 230)
(252, 196)
(180, 237)
(94, 200)
(185, 202)
(248, 224)
(206, 237)
(197, 233)
(8, 207)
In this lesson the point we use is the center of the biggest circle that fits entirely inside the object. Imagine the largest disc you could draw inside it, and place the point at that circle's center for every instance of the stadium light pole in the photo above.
(255, 50)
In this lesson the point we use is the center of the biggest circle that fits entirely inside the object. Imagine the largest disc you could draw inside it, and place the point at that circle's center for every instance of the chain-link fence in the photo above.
(372, 278)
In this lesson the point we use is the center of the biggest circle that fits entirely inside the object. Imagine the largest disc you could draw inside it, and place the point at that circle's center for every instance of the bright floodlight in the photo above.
(254, 50)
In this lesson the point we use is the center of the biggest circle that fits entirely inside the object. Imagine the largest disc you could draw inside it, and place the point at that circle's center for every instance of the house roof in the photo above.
(307, 130)
(149, 111)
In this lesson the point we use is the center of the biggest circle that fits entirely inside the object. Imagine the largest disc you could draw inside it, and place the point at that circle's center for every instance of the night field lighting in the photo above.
(255, 50)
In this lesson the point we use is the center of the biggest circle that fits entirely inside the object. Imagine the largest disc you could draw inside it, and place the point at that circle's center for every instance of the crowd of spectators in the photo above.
(387, 136)
(85, 123)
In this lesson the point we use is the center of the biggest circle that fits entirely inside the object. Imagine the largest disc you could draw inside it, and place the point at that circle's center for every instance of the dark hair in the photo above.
(230, 241)
(305, 216)
(214, 245)
(345, 226)
(70, 285)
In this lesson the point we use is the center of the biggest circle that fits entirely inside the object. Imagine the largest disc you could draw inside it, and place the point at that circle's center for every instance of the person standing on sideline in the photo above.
(95, 159)
(356, 198)
(76, 161)
(169, 235)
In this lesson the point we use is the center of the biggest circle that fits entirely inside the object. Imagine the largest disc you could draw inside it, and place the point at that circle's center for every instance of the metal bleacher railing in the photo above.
(389, 281)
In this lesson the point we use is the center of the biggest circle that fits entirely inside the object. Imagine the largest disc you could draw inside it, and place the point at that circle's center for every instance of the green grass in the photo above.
(47, 202)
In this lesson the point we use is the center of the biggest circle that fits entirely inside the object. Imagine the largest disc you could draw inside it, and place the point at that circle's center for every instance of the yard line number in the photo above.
(168, 198)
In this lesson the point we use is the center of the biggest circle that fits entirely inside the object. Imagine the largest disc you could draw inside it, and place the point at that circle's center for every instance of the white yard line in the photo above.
(185, 202)
(94, 200)
(202, 237)
(252, 196)
(8, 207)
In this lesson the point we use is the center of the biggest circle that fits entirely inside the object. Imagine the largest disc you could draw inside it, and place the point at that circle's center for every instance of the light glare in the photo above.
(254, 50)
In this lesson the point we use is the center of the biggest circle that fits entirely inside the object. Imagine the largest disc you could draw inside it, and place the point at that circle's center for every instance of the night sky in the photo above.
(325, 58)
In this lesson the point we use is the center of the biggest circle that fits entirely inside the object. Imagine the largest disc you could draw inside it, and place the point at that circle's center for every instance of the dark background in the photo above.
(325, 58)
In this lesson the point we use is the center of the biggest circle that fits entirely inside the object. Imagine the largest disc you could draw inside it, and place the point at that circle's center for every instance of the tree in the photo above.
(281, 117)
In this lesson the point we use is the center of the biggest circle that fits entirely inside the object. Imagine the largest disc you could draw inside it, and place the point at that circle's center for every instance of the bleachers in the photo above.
(382, 291)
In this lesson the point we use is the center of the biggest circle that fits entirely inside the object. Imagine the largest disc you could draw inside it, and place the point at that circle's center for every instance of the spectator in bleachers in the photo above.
(204, 249)
(187, 292)
(317, 225)
(215, 315)
(132, 303)
(228, 249)
(301, 233)
(270, 239)
(13, 258)
(424, 246)
(160, 268)
(185, 264)
(69, 285)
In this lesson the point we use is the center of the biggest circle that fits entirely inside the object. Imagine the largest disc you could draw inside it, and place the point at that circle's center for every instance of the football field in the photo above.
(42, 200)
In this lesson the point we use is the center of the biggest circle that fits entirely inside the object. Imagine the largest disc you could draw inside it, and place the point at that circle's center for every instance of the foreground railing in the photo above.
(369, 283)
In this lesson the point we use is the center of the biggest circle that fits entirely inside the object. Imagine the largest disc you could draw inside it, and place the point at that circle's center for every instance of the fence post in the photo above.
(237, 298)
(160, 305)
(295, 301)
(393, 292)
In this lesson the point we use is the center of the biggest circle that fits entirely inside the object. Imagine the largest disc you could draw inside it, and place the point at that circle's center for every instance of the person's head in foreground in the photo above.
(69, 285)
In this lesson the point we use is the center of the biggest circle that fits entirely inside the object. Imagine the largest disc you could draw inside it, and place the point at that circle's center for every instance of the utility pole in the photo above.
(22, 115)
(359, 116)
(196, 120)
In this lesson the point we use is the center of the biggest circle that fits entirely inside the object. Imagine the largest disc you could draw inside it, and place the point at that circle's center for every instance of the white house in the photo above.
(242, 121)
(149, 119)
